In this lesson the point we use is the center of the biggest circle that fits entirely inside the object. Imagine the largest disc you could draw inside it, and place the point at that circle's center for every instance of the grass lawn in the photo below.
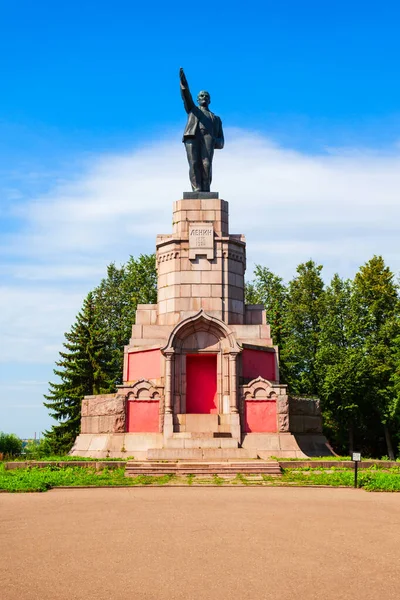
(41, 479)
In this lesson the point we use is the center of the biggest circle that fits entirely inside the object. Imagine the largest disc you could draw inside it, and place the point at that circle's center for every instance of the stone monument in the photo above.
(201, 372)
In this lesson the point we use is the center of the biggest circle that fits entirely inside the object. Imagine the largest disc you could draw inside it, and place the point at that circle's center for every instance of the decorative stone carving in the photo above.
(143, 390)
(259, 389)
(201, 240)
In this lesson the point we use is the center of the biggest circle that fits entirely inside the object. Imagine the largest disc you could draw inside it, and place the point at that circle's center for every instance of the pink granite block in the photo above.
(209, 215)
(137, 331)
(194, 216)
(171, 305)
(143, 317)
(199, 291)
(211, 276)
(216, 291)
(191, 277)
(183, 304)
(200, 263)
(211, 304)
(211, 204)
(265, 331)
(162, 307)
(175, 277)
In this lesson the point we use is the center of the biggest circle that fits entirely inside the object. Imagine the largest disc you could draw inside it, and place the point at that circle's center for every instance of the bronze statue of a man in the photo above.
(203, 133)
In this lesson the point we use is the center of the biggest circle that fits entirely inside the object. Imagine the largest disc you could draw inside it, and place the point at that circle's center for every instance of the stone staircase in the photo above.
(204, 468)
(192, 439)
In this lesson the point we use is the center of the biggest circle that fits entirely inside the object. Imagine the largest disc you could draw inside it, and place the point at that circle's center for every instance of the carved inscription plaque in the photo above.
(201, 240)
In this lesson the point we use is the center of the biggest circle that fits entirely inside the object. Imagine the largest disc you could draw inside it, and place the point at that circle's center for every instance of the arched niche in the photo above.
(201, 334)
(259, 406)
(143, 408)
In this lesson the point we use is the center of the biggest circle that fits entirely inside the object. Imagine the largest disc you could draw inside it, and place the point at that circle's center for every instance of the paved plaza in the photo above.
(207, 543)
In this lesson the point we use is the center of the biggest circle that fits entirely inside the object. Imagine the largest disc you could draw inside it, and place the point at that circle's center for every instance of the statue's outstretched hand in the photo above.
(182, 78)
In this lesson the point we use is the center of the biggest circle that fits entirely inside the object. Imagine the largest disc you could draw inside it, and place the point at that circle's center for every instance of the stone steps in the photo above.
(257, 467)
(191, 441)
(196, 453)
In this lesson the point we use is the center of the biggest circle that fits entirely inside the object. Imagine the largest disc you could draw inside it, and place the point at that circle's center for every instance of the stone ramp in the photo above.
(210, 468)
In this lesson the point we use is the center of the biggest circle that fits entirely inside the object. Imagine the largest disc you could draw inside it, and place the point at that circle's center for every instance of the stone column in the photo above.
(168, 384)
(233, 383)
(168, 397)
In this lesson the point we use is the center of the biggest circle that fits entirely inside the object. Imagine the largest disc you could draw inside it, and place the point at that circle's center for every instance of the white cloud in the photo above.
(338, 208)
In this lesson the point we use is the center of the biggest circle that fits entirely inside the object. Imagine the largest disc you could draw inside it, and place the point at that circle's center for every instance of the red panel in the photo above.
(256, 363)
(144, 365)
(143, 416)
(260, 416)
(201, 383)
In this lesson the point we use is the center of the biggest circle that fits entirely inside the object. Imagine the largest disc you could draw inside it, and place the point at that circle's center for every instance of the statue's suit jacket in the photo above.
(195, 114)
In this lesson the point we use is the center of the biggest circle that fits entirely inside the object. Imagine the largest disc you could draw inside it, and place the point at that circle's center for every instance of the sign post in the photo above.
(356, 457)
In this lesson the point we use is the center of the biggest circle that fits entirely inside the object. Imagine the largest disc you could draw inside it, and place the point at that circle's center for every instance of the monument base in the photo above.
(152, 446)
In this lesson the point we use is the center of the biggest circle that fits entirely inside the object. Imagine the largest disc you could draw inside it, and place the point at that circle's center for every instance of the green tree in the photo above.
(394, 407)
(301, 329)
(341, 365)
(376, 327)
(117, 298)
(83, 369)
(268, 289)
(10, 444)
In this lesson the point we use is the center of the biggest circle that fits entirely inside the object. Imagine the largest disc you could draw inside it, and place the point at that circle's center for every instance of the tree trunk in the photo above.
(388, 439)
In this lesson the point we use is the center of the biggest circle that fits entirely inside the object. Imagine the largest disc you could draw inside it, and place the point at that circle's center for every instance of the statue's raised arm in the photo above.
(185, 92)
(203, 134)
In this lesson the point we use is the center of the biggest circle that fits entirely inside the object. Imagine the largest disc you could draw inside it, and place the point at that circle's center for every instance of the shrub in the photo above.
(37, 449)
(10, 444)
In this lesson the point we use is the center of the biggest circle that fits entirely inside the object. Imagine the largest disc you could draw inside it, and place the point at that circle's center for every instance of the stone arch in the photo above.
(201, 332)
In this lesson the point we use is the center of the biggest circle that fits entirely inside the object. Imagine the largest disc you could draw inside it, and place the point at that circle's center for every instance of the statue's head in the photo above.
(203, 98)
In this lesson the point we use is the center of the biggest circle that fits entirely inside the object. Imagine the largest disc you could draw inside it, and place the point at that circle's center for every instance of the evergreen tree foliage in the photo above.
(83, 369)
(92, 359)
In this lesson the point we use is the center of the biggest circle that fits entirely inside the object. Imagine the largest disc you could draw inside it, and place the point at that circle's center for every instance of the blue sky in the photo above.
(91, 158)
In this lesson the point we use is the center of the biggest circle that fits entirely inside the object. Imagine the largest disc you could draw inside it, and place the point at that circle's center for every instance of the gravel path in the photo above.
(199, 543)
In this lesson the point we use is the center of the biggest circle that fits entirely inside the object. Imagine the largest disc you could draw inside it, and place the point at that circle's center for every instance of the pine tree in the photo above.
(83, 369)
(93, 358)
